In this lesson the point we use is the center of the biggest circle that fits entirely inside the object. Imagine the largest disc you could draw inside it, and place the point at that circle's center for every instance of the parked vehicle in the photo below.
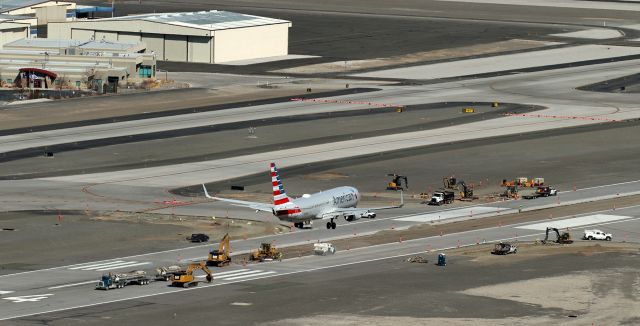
(596, 235)
(198, 237)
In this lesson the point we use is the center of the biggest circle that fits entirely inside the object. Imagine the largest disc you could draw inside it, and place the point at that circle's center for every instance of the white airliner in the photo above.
(329, 204)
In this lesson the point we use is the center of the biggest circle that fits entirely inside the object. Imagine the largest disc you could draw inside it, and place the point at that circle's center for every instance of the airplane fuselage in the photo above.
(316, 205)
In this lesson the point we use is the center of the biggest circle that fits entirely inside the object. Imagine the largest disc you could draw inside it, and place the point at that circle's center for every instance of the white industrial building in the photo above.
(205, 36)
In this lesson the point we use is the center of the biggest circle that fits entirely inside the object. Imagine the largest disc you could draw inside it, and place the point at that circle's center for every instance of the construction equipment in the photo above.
(542, 191)
(120, 280)
(323, 248)
(221, 256)
(449, 182)
(466, 191)
(504, 249)
(185, 279)
(165, 273)
(396, 182)
(417, 259)
(562, 238)
(442, 197)
(266, 251)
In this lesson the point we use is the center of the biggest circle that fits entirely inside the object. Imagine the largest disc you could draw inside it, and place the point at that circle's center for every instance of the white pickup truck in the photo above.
(596, 235)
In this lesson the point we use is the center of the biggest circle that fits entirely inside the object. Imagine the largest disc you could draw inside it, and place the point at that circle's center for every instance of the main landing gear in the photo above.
(331, 225)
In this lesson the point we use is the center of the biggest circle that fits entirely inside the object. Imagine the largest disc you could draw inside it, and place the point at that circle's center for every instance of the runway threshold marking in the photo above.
(461, 212)
(109, 265)
(72, 284)
(575, 222)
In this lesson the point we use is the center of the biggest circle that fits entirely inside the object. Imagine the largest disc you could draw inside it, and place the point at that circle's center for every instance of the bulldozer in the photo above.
(266, 251)
(562, 238)
(396, 182)
(185, 278)
(220, 257)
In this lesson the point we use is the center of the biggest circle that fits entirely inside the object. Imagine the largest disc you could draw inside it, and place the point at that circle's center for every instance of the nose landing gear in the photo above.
(331, 225)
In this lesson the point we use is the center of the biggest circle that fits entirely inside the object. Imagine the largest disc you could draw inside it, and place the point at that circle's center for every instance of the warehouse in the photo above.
(205, 36)
(74, 64)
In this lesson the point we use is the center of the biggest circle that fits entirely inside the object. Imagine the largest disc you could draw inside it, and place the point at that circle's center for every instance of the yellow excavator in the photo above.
(221, 256)
(185, 278)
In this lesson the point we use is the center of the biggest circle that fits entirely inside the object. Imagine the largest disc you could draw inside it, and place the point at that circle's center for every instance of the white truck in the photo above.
(596, 235)
(323, 248)
(442, 197)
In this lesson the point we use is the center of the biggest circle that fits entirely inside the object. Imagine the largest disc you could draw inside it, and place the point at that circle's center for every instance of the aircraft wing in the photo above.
(358, 210)
(242, 203)
(388, 207)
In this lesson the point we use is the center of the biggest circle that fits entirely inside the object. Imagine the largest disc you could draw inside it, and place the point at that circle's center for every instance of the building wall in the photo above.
(13, 34)
(178, 43)
(199, 49)
(251, 43)
(29, 10)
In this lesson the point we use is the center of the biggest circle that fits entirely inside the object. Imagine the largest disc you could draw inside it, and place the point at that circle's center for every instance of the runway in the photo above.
(70, 287)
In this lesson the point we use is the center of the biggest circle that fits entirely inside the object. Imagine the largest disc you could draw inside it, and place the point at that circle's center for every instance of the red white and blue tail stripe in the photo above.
(279, 195)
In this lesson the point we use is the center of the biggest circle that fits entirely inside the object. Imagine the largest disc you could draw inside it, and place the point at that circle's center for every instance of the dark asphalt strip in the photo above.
(209, 108)
(34, 152)
(310, 168)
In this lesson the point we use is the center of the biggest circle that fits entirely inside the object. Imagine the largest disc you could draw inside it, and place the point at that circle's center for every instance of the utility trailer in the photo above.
(165, 273)
(120, 280)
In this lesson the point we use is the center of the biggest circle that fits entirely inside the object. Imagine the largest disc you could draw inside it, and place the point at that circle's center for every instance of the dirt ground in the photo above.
(459, 52)
(606, 296)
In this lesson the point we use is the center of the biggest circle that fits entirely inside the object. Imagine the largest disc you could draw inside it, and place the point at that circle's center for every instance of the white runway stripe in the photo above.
(237, 274)
(123, 266)
(100, 264)
(109, 265)
(574, 222)
(250, 275)
(231, 272)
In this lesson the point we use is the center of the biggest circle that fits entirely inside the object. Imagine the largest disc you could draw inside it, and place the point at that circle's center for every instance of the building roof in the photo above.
(207, 20)
(100, 45)
(9, 5)
(7, 17)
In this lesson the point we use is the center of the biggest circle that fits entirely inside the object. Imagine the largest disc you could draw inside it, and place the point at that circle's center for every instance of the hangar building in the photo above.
(204, 36)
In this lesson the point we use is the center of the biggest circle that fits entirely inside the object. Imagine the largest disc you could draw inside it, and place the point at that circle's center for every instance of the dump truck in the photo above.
(221, 256)
(504, 248)
(119, 280)
(323, 248)
(267, 251)
(165, 273)
(186, 279)
(541, 191)
(442, 197)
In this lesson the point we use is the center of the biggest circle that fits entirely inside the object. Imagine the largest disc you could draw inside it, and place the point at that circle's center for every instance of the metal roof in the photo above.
(7, 17)
(207, 20)
(9, 5)
(103, 45)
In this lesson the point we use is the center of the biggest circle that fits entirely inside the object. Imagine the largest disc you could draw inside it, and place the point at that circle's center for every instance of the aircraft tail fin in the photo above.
(279, 195)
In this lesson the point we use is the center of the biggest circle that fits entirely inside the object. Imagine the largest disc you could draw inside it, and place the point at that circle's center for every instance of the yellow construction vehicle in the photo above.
(221, 256)
(396, 183)
(185, 279)
(449, 182)
(561, 238)
(266, 251)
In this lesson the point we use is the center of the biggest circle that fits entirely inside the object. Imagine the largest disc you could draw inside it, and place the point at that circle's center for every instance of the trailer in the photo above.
(165, 273)
(120, 280)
